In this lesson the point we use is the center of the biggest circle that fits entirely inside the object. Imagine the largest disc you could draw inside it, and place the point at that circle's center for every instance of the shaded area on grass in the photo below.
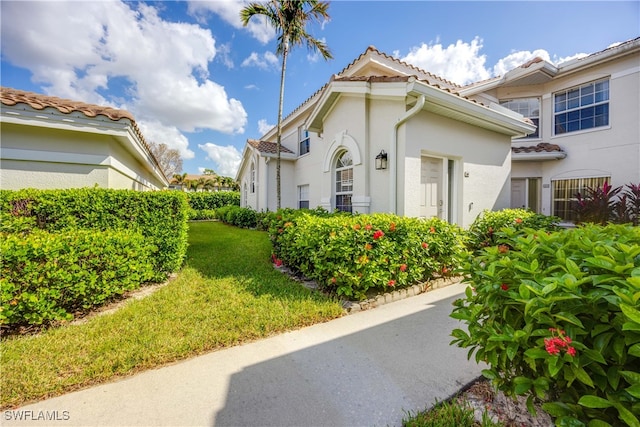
(227, 293)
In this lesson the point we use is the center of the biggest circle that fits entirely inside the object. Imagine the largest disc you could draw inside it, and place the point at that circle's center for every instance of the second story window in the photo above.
(582, 107)
(253, 178)
(303, 137)
(529, 108)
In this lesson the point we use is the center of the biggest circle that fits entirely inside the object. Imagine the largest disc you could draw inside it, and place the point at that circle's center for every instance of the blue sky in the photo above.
(197, 80)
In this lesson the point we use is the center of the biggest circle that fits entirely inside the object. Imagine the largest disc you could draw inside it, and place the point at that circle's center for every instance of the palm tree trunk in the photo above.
(279, 131)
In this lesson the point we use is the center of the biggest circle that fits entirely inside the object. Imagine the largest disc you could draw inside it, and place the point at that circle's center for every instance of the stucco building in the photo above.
(49, 142)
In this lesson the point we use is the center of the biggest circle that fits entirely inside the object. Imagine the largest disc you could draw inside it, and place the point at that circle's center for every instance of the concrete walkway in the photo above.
(365, 369)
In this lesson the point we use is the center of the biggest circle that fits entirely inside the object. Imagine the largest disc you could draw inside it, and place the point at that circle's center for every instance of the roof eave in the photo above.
(450, 105)
(532, 157)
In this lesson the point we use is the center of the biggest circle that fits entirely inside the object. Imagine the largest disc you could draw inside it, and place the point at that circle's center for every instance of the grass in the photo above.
(448, 414)
(227, 293)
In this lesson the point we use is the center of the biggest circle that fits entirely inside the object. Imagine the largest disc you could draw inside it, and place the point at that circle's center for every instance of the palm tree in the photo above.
(289, 18)
(179, 179)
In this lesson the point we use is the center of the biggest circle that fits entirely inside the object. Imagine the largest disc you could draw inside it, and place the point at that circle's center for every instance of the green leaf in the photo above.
(634, 350)
(630, 312)
(598, 423)
(489, 374)
(556, 409)
(634, 390)
(626, 416)
(584, 378)
(590, 401)
(632, 378)
(568, 317)
(594, 355)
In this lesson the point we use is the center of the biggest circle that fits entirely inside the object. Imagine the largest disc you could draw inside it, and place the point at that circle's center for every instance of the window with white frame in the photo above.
(303, 197)
(344, 182)
(583, 107)
(303, 137)
(253, 178)
(529, 108)
(245, 195)
(565, 193)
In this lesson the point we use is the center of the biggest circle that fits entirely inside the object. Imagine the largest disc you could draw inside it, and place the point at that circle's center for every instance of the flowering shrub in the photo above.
(351, 254)
(557, 316)
(482, 232)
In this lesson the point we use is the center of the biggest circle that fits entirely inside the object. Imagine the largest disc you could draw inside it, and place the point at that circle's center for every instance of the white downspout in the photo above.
(394, 149)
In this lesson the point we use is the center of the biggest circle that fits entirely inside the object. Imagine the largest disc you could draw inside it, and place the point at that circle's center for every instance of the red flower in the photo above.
(518, 220)
(333, 280)
(432, 230)
(378, 234)
(503, 249)
(504, 287)
(356, 227)
(549, 345)
(403, 267)
(425, 245)
(367, 227)
(571, 351)
(392, 226)
(278, 262)
(557, 342)
(391, 283)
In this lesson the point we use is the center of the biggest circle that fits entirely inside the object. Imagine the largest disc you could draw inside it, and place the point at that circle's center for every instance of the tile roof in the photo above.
(37, 101)
(268, 147)
(543, 147)
(396, 60)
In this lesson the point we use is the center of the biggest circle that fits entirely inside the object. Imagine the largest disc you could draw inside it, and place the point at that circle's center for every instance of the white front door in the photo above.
(431, 189)
(518, 193)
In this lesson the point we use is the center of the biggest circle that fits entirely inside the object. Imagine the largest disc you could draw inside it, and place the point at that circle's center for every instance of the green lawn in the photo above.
(227, 293)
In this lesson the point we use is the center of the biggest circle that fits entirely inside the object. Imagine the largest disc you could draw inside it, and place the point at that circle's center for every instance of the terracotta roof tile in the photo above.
(268, 147)
(543, 147)
(37, 101)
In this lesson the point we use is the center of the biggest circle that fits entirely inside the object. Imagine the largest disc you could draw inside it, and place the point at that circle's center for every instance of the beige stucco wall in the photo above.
(42, 157)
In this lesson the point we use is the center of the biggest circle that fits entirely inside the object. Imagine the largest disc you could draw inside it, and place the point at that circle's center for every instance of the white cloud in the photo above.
(160, 67)
(264, 127)
(227, 159)
(516, 59)
(315, 56)
(460, 63)
(229, 10)
(155, 131)
(266, 61)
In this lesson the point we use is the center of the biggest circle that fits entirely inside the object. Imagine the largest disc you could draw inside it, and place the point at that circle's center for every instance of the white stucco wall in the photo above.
(483, 155)
(612, 150)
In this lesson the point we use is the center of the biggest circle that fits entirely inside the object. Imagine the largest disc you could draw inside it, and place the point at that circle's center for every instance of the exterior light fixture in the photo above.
(381, 160)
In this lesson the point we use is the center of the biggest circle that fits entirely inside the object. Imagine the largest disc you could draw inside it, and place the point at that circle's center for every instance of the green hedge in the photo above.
(557, 316)
(211, 200)
(161, 217)
(47, 276)
(350, 255)
(240, 217)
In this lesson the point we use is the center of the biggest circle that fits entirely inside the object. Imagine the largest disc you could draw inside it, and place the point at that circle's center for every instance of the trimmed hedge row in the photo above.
(160, 217)
(212, 199)
(47, 276)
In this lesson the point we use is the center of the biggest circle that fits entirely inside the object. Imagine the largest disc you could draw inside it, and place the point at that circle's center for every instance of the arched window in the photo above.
(253, 178)
(344, 182)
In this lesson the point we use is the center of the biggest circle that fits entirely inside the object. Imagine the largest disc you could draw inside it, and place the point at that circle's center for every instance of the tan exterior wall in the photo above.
(38, 157)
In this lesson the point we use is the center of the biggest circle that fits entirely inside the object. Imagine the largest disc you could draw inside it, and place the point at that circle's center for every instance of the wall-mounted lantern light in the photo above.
(381, 160)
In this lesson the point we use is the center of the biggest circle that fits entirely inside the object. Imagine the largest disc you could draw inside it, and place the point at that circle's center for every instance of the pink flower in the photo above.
(367, 227)
(557, 342)
(571, 351)
(278, 262)
(378, 234)
(391, 283)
